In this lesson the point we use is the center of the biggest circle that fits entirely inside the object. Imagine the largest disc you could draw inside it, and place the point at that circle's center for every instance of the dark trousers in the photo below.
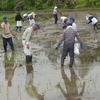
(8, 40)
(28, 58)
(56, 18)
(18, 27)
(68, 48)
(95, 26)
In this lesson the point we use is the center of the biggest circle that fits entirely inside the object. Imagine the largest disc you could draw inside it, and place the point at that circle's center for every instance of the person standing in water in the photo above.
(18, 19)
(55, 13)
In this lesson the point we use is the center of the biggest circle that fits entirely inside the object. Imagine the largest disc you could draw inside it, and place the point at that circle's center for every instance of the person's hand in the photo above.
(27, 45)
(3, 27)
(82, 45)
(14, 35)
(57, 46)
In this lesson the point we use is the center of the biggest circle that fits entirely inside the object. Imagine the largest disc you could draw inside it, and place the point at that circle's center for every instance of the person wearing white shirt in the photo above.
(72, 20)
(55, 13)
(63, 21)
(26, 41)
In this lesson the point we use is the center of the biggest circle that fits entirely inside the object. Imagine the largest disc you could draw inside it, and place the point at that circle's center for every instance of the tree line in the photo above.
(18, 5)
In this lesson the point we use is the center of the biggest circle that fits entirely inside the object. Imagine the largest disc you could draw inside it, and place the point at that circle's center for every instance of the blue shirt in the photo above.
(90, 19)
(54, 11)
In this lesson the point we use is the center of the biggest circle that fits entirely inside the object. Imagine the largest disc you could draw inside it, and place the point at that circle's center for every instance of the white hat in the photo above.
(55, 7)
(86, 18)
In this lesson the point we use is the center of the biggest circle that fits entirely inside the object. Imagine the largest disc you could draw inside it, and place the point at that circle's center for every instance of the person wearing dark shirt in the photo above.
(18, 19)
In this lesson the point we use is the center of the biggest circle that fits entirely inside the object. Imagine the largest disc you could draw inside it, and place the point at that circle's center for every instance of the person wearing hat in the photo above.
(55, 13)
(63, 21)
(72, 20)
(93, 20)
(26, 41)
(68, 36)
(74, 26)
(31, 17)
(25, 15)
(7, 34)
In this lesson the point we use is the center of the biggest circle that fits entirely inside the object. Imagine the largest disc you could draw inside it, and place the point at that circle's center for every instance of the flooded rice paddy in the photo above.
(44, 79)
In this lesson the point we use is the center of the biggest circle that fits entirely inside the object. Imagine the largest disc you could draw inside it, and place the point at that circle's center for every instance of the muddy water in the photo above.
(43, 79)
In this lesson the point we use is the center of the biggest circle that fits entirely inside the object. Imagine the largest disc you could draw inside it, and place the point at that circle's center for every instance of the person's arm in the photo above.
(60, 42)
(11, 32)
(27, 38)
(63, 92)
(79, 39)
(2, 26)
(89, 21)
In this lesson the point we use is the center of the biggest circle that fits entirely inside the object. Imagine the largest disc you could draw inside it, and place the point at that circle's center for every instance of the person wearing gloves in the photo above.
(63, 21)
(93, 20)
(55, 13)
(7, 34)
(68, 36)
(26, 41)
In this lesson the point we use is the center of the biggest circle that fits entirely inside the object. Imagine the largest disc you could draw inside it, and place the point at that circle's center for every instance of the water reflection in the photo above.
(70, 85)
(52, 54)
(90, 55)
(9, 68)
(30, 88)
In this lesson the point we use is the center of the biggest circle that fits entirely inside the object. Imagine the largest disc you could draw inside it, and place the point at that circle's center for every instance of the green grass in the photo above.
(10, 15)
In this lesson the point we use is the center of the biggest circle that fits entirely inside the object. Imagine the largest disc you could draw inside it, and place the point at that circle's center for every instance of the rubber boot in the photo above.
(71, 62)
(12, 48)
(16, 29)
(28, 58)
(62, 62)
(5, 49)
(20, 29)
